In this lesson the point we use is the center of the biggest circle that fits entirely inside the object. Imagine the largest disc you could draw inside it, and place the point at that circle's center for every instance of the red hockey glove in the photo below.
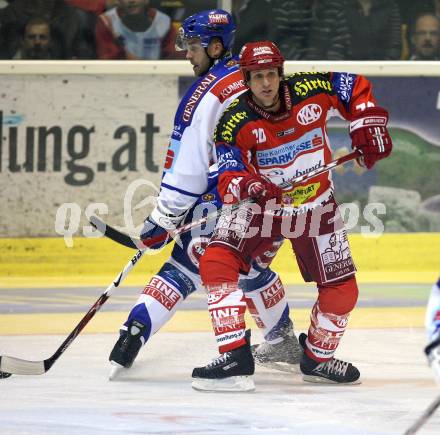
(370, 136)
(255, 187)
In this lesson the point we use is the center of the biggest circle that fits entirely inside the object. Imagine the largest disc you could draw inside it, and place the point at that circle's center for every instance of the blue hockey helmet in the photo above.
(206, 25)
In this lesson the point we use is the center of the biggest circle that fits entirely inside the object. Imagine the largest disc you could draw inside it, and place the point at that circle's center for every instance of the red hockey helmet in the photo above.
(260, 55)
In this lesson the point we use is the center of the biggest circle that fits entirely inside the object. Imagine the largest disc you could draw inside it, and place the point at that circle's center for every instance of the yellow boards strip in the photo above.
(197, 321)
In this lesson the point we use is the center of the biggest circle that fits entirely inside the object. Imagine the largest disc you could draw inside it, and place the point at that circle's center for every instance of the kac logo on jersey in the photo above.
(309, 114)
(196, 249)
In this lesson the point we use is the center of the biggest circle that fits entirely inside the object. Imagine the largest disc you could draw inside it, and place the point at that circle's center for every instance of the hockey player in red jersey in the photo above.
(271, 133)
(189, 186)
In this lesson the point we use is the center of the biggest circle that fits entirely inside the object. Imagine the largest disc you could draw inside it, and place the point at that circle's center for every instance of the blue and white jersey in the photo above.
(432, 316)
(191, 150)
(193, 243)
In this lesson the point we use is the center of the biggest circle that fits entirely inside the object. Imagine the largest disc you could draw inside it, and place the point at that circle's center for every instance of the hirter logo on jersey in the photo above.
(218, 19)
(309, 114)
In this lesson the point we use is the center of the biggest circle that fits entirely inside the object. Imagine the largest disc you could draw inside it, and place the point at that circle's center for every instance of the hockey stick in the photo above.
(11, 365)
(423, 418)
(136, 243)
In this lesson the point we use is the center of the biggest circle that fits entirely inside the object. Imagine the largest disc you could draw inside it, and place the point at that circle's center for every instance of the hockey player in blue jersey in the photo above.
(189, 182)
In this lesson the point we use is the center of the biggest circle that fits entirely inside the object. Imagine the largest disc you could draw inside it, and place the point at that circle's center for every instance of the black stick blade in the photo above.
(114, 234)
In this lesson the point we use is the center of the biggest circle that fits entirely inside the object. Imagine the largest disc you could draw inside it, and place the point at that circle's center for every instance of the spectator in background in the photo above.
(409, 9)
(3, 49)
(175, 9)
(88, 11)
(195, 6)
(425, 38)
(134, 30)
(36, 40)
(96, 7)
(178, 10)
(291, 26)
(329, 32)
(64, 23)
(254, 20)
(375, 29)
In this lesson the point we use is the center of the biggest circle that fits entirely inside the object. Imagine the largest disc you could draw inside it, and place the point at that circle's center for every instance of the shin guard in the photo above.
(325, 333)
(329, 318)
(227, 306)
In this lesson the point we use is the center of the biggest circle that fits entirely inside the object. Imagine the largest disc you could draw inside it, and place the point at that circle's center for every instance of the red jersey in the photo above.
(293, 141)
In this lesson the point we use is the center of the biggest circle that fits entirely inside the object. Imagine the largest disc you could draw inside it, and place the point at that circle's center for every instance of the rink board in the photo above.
(197, 321)
(47, 262)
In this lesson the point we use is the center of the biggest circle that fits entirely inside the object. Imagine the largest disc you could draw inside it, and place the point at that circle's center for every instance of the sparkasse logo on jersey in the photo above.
(309, 114)
(284, 154)
(218, 19)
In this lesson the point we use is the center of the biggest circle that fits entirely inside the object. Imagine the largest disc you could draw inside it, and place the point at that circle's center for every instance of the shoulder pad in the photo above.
(231, 63)
(306, 84)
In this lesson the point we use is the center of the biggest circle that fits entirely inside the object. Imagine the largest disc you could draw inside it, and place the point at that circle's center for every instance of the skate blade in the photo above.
(320, 380)
(280, 366)
(115, 371)
(234, 383)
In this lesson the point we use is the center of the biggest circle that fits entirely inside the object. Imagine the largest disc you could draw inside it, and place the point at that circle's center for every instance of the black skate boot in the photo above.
(333, 371)
(284, 356)
(231, 371)
(126, 348)
(4, 375)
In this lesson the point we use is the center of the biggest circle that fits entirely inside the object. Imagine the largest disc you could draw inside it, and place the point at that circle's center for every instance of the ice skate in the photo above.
(231, 371)
(284, 356)
(333, 371)
(126, 349)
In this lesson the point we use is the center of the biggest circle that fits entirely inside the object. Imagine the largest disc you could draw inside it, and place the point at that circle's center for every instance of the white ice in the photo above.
(155, 396)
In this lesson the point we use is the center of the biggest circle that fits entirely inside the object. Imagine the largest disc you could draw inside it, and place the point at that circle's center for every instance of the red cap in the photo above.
(260, 55)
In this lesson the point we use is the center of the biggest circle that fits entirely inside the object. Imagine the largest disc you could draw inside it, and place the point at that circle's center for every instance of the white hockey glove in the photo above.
(158, 226)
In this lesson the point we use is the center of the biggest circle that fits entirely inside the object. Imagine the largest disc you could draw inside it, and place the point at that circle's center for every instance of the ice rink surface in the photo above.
(155, 396)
